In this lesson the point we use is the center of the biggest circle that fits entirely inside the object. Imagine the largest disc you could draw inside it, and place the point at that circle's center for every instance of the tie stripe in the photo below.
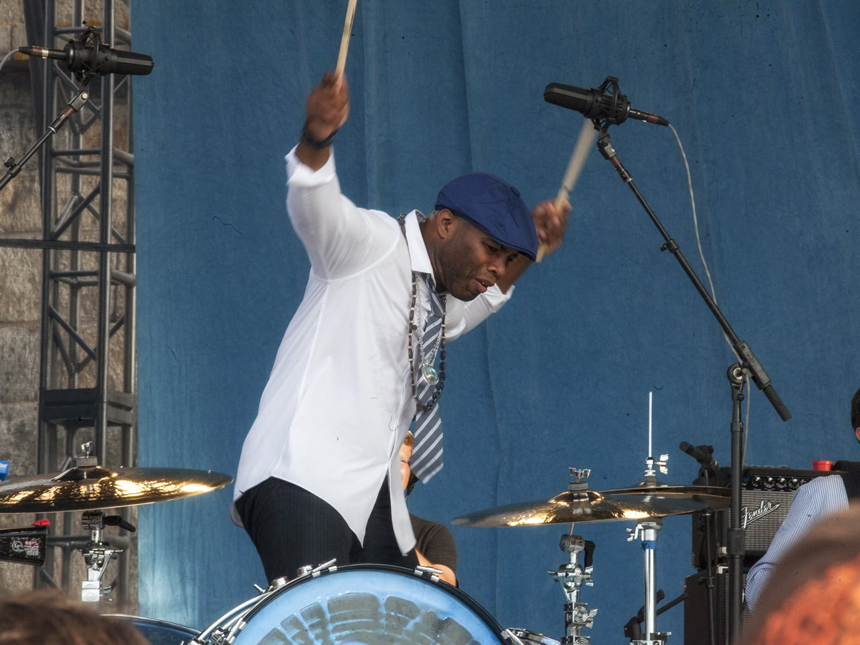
(427, 453)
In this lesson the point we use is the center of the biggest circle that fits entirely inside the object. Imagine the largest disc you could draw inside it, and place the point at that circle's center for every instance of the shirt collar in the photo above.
(418, 256)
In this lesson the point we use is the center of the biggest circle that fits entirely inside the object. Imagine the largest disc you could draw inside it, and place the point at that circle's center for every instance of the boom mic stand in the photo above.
(85, 57)
(747, 367)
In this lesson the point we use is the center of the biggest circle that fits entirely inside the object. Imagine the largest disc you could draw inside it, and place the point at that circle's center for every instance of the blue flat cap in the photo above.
(495, 207)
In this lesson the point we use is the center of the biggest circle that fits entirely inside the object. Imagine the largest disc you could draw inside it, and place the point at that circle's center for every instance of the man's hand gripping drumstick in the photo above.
(327, 107)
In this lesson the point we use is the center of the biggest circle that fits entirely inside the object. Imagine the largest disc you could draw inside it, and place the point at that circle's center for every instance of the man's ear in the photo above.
(857, 433)
(446, 221)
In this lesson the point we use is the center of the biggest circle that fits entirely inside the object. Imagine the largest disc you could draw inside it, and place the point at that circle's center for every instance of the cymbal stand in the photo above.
(571, 576)
(98, 554)
(647, 532)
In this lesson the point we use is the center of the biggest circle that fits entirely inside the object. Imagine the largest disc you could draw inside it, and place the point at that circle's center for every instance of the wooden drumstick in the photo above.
(344, 41)
(574, 168)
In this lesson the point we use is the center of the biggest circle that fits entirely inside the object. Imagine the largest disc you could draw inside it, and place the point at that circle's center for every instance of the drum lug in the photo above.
(507, 634)
(325, 567)
(431, 572)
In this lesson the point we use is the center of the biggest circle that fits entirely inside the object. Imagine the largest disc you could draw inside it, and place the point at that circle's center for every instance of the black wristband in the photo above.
(316, 143)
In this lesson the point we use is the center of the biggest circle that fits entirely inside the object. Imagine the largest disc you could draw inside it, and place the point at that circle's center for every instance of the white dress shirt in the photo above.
(339, 399)
(811, 503)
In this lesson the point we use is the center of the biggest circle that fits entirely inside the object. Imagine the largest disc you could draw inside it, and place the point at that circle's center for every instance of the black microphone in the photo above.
(595, 103)
(706, 459)
(99, 59)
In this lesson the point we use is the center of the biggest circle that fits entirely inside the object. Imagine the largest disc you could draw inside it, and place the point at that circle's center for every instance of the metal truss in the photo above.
(87, 381)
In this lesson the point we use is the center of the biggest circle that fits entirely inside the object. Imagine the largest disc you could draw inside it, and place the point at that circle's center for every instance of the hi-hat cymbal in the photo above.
(93, 487)
(592, 506)
(716, 497)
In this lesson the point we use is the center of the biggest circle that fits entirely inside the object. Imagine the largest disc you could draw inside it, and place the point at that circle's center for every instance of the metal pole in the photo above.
(649, 546)
(105, 221)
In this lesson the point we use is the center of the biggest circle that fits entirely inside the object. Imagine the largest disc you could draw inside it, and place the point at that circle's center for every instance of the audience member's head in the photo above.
(50, 618)
(813, 595)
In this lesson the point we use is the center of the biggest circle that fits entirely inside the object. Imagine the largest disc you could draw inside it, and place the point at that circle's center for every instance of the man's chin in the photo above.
(464, 295)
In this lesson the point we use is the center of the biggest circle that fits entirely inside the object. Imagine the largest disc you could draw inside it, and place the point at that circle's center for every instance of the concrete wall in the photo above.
(21, 293)
(20, 279)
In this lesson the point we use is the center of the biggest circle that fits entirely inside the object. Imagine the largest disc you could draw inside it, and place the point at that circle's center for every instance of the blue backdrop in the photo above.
(763, 94)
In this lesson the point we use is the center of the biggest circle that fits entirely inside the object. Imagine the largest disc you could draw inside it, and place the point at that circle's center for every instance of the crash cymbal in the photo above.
(592, 506)
(94, 487)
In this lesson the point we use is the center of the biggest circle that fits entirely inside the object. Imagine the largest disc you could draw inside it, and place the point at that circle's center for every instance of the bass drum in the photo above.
(369, 605)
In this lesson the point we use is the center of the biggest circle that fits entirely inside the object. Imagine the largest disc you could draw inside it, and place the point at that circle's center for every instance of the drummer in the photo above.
(434, 544)
(318, 477)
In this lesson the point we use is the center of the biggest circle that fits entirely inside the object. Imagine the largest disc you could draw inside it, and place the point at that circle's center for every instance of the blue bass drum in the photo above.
(369, 605)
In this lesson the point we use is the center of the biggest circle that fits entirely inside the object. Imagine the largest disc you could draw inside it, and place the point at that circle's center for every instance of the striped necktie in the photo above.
(426, 458)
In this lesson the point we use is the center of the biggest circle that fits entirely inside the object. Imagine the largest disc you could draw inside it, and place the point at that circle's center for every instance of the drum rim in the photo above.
(155, 621)
(462, 596)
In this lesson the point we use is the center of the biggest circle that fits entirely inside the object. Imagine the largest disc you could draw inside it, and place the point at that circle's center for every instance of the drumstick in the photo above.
(577, 161)
(344, 41)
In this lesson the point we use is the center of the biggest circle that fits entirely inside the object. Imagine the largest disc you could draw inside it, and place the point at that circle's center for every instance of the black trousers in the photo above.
(291, 528)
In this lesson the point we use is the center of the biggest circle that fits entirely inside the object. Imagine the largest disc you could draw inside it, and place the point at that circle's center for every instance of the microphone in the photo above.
(99, 59)
(594, 103)
(702, 454)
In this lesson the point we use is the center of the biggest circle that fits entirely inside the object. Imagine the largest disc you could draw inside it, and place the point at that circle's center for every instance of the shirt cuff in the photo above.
(298, 174)
(495, 297)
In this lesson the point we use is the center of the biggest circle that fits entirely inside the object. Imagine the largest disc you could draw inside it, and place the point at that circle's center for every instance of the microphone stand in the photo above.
(73, 106)
(747, 367)
(83, 70)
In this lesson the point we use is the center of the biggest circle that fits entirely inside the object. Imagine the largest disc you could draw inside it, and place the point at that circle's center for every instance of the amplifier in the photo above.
(766, 496)
(696, 627)
(762, 513)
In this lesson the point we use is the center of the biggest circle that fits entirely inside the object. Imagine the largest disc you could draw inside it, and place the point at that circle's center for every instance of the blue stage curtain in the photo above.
(764, 95)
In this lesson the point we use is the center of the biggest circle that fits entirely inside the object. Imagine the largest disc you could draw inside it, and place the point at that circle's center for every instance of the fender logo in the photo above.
(763, 510)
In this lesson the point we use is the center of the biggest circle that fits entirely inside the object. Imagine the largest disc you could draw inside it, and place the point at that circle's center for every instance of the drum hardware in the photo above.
(306, 570)
(648, 502)
(526, 637)
(571, 576)
(216, 633)
(83, 485)
(26, 545)
(646, 531)
(434, 573)
(98, 554)
(633, 628)
(223, 631)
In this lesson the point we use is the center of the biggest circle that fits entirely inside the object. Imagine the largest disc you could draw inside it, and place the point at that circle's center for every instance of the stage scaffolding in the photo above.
(87, 380)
